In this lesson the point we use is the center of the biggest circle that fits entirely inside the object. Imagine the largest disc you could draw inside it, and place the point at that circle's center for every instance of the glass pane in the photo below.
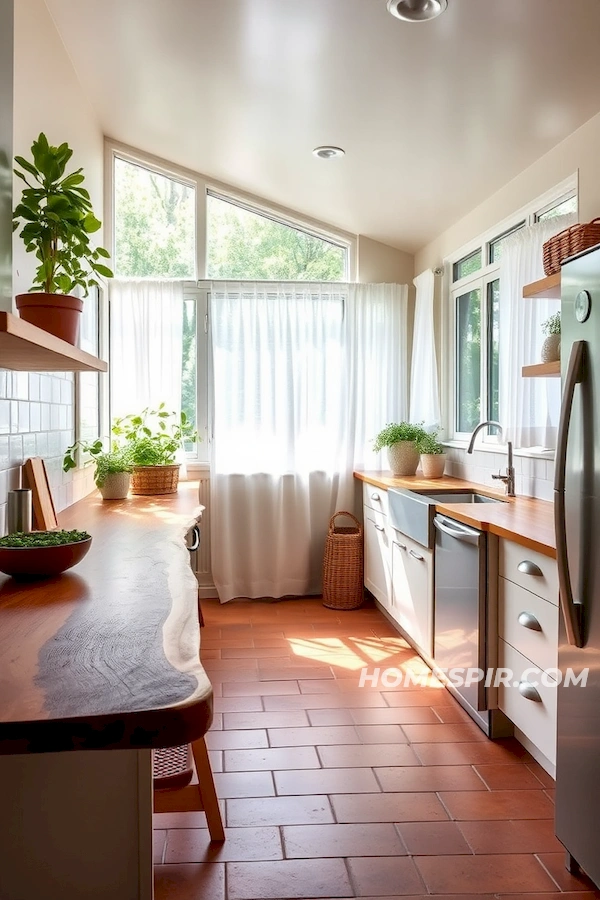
(189, 365)
(155, 224)
(468, 352)
(495, 246)
(466, 266)
(243, 244)
(493, 332)
(561, 209)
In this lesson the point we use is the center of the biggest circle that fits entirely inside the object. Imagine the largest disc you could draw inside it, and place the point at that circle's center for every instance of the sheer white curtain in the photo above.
(529, 407)
(376, 374)
(146, 335)
(303, 376)
(424, 391)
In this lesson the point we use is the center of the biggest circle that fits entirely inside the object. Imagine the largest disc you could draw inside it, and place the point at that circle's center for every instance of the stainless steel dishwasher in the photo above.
(460, 618)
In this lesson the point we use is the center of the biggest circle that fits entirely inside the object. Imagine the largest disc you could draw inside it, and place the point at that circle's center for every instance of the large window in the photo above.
(173, 225)
(475, 318)
(243, 244)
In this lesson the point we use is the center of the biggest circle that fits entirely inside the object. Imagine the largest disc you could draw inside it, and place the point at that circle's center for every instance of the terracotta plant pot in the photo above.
(403, 458)
(116, 486)
(433, 464)
(55, 313)
(551, 348)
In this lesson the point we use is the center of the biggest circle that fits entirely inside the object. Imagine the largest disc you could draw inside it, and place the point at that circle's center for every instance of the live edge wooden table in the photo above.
(97, 667)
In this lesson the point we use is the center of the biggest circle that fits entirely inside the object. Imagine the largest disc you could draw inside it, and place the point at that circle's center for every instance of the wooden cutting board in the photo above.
(36, 477)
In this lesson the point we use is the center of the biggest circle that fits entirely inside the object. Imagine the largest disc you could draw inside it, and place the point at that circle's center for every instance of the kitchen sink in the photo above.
(412, 513)
(464, 497)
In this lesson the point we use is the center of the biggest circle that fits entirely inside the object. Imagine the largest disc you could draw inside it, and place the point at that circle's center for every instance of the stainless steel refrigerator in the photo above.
(577, 521)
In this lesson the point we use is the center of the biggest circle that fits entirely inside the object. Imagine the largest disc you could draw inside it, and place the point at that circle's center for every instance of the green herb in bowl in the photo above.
(22, 540)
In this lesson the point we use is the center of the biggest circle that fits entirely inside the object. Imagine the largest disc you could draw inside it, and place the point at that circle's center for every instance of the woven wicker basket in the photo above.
(155, 479)
(568, 242)
(343, 565)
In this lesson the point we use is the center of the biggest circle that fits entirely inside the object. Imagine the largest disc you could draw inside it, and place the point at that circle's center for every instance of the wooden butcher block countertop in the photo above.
(106, 656)
(522, 519)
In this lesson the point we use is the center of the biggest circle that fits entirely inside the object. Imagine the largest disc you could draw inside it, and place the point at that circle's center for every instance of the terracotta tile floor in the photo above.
(330, 790)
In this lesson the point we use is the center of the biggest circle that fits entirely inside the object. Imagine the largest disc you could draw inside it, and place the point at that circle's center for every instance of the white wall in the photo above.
(6, 136)
(579, 152)
(48, 97)
(36, 410)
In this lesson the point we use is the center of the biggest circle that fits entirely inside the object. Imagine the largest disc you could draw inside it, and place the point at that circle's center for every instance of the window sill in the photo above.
(533, 452)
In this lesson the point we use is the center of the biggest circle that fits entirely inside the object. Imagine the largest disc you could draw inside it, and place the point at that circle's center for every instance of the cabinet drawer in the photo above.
(537, 573)
(378, 556)
(535, 718)
(539, 644)
(412, 590)
(375, 498)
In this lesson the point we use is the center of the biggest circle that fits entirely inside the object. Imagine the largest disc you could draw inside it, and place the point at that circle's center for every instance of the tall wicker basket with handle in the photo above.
(343, 565)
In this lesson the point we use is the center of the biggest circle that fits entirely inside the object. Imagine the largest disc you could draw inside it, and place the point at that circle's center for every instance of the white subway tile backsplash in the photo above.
(534, 475)
(36, 419)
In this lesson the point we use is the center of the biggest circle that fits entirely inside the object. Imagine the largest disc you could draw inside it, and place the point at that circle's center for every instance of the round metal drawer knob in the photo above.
(528, 620)
(527, 567)
(529, 692)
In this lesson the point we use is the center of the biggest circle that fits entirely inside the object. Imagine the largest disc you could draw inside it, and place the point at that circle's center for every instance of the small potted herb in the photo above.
(401, 440)
(56, 216)
(153, 439)
(551, 345)
(433, 456)
(113, 467)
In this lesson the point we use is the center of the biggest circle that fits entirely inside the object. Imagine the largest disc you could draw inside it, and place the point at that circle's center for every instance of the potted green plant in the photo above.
(401, 440)
(551, 345)
(57, 218)
(112, 467)
(153, 439)
(432, 454)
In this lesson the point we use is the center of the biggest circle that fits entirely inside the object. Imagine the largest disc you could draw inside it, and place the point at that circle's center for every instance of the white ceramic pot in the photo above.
(116, 486)
(551, 348)
(433, 464)
(403, 458)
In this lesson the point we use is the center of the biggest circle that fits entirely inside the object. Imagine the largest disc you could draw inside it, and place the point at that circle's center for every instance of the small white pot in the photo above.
(551, 348)
(116, 486)
(403, 458)
(433, 464)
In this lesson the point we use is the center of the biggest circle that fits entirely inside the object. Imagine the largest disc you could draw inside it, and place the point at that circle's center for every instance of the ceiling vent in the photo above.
(416, 10)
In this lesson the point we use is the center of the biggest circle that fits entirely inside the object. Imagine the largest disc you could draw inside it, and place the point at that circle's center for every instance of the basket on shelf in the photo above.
(155, 479)
(568, 242)
(343, 565)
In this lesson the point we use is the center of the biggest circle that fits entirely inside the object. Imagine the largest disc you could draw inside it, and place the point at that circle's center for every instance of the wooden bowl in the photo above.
(40, 562)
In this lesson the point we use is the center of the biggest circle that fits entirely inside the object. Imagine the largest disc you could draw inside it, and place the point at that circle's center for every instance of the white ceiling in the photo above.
(434, 117)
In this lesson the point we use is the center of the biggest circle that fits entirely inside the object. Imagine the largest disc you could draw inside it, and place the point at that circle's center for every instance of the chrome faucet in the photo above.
(509, 476)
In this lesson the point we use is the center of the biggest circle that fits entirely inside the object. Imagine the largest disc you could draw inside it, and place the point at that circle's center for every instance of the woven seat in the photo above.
(172, 771)
(172, 767)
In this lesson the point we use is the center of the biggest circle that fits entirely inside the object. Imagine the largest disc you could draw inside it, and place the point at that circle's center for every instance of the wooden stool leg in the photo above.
(206, 784)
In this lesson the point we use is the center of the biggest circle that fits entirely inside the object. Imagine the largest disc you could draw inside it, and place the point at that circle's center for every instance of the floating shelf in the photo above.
(546, 287)
(26, 348)
(542, 370)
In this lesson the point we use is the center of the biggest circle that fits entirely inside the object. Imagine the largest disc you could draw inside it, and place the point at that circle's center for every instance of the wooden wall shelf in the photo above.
(26, 348)
(545, 287)
(542, 370)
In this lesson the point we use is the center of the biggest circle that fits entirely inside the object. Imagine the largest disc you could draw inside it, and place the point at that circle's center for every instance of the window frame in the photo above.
(451, 289)
(204, 186)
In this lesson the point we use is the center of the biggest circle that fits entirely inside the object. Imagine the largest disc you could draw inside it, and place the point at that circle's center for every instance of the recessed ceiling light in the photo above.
(327, 152)
(416, 10)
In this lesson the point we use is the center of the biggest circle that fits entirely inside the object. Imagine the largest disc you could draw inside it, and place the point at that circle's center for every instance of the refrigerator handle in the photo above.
(571, 611)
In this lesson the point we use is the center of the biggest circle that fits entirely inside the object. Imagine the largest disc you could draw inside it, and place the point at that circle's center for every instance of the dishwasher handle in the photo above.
(468, 535)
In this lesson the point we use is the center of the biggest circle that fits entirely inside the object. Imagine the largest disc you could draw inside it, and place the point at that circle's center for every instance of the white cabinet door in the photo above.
(412, 591)
(378, 559)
